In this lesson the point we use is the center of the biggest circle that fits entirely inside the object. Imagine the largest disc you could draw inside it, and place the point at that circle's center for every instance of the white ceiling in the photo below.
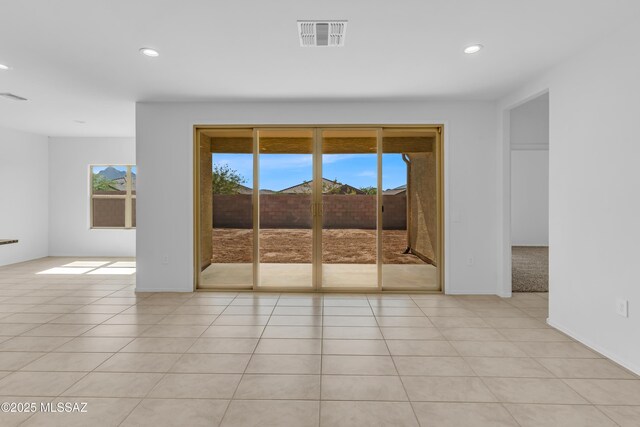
(79, 60)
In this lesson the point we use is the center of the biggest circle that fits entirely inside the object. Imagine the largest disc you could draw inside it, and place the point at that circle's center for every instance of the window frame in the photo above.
(128, 198)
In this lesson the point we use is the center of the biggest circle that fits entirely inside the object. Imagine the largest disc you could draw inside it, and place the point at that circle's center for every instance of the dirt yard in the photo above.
(349, 246)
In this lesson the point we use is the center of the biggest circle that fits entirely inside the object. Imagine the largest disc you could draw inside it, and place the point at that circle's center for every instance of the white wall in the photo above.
(594, 204)
(69, 209)
(530, 197)
(165, 164)
(530, 124)
(529, 136)
(24, 200)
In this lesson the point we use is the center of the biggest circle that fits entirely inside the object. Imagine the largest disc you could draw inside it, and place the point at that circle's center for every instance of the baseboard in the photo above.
(12, 263)
(598, 349)
(144, 291)
(463, 292)
(75, 255)
(505, 294)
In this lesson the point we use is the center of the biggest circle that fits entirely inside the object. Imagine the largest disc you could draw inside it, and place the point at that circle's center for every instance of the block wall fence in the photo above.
(294, 211)
(111, 212)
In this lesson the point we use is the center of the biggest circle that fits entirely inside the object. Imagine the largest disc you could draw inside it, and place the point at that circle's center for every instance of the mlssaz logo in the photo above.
(63, 407)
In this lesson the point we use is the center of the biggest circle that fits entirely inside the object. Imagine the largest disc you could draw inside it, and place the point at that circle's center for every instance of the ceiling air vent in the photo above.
(322, 33)
(12, 96)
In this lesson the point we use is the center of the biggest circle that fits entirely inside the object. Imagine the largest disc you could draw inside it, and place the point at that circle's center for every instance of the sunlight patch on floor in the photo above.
(111, 271)
(66, 270)
(86, 264)
(94, 268)
(124, 264)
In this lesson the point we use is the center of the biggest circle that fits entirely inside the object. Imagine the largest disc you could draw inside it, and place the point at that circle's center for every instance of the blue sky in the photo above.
(279, 171)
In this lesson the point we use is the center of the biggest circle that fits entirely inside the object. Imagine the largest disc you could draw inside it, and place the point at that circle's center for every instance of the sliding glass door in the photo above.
(285, 202)
(310, 209)
(349, 209)
(226, 209)
(410, 217)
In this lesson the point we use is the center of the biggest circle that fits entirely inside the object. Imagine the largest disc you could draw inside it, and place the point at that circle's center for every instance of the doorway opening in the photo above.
(318, 209)
(529, 136)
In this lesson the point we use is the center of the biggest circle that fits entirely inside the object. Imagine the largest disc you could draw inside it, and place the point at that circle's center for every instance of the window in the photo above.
(113, 196)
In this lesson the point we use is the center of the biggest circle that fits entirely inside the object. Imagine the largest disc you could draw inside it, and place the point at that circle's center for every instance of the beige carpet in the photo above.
(530, 268)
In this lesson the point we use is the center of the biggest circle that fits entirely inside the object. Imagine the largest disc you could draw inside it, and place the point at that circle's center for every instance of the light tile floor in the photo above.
(245, 359)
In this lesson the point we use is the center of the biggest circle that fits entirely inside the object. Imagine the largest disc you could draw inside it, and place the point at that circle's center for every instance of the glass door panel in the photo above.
(328, 209)
(410, 209)
(226, 187)
(349, 185)
(286, 218)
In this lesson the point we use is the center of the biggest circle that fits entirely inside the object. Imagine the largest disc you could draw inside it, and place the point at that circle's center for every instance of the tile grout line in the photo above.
(487, 387)
(321, 359)
(484, 383)
(51, 351)
(534, 359)
(476, 309)
(250, 359)
(170, 368)
(415, 416)
(155, 384)
(50, 398)
(592, 404)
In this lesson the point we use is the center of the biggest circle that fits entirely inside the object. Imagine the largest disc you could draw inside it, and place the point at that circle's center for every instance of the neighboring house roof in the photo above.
(393, 191)
(120, 184)
(117, 178)
(334, 187)
(328, 185)
(242, 189)
(304, 188)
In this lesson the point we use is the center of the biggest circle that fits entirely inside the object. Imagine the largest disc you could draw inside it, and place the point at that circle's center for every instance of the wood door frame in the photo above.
(256, 211)
(199, 130)
(318, 261)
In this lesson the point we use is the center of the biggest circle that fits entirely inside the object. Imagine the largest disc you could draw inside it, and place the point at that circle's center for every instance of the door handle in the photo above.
(316, 209)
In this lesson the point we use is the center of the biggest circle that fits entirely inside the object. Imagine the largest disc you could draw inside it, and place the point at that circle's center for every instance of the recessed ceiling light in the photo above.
(474, 48)
(147, 51)
(4, 67)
